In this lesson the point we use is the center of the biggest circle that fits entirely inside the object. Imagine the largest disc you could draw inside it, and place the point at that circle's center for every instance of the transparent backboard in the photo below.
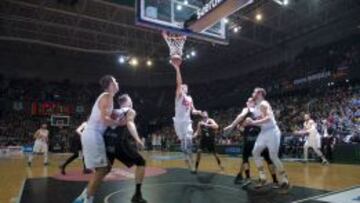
(171, 15)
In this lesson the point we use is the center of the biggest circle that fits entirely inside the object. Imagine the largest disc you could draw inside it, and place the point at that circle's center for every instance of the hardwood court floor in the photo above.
(312, 175)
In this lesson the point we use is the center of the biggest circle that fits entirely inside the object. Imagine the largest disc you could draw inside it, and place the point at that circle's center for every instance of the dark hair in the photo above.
(122, 99)
(105, 81)
(261, 90)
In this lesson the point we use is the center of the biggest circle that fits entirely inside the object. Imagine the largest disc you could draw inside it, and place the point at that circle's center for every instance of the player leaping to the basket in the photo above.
(184, 107)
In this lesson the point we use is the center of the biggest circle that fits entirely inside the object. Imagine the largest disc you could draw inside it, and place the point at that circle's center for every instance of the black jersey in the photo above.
(119, 146)
(207, 138)
(251, 132)
(207, 133)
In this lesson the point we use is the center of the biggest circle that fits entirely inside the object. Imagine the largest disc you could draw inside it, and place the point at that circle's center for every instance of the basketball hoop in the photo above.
(176, 44)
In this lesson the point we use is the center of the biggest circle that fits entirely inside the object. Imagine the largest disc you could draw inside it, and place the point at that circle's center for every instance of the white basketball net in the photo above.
(176, 44)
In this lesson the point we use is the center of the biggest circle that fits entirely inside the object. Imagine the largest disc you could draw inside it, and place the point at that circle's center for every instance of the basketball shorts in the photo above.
(270, 139)
(314, 142)
(183, 128)
(93, 148)
(247, 152)
(40, 146)
(207, 144)
(118, 146)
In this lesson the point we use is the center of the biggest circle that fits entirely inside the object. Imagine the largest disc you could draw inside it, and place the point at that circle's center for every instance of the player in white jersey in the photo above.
(92, 139)
(75, 148)
(41, 144)
(313, 139)
(184, 107)
(269, 138)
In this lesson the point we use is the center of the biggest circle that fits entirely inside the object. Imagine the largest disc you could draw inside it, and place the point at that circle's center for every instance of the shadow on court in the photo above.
(175, 186)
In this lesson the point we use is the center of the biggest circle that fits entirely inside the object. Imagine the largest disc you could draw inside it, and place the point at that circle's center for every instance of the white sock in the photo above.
(30, 158)
(46, 158)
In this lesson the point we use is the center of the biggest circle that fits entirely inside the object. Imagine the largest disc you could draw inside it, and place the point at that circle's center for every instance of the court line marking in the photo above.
(326, 194)
(106, 199)
(21, 191)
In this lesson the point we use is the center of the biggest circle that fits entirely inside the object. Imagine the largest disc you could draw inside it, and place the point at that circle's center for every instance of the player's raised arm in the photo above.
(130, 123)
(179, 80)
(105, 104)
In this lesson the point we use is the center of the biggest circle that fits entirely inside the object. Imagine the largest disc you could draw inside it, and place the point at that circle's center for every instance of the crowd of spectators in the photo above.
(337, 103)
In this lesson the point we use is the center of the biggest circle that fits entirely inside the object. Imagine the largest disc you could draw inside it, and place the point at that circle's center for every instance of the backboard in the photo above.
(171, 15)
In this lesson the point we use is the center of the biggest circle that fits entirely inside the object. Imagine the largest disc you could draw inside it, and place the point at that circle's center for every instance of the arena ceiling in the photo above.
(106, 27)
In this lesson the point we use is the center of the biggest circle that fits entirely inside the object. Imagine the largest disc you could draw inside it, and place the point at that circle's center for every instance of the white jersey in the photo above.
(314, 137)
(183, 106)
(92, 138)
(310, 126)
(40, 145)
(43, 135)
(271, 124)
(95, 121)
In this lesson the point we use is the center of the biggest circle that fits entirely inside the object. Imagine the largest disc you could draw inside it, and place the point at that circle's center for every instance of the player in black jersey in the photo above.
(118, 143)
(206, 130)
(250, 134)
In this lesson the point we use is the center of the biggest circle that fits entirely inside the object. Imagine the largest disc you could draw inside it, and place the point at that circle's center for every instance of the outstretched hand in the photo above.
(228, 128)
